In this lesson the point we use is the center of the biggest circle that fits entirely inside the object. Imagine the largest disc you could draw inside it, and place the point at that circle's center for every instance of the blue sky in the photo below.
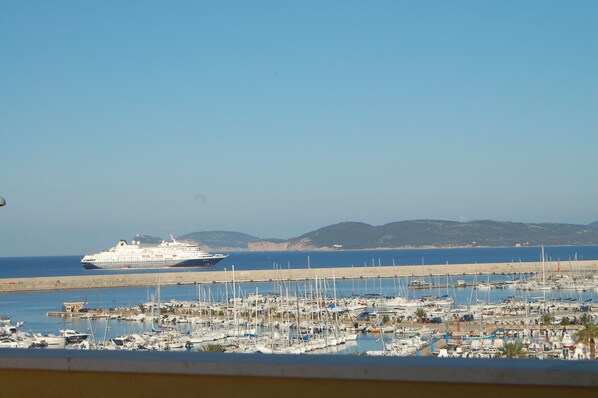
(276, 118)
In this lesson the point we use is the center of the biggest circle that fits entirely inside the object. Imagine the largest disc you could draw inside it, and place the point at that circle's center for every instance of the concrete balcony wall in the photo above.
(67, 373)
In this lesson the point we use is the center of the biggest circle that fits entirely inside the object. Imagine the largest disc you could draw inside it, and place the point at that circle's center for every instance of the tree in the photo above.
(546, 319)
(511, 350)
(212, 348)
(588, 336)
(585, 318)
(420, 313)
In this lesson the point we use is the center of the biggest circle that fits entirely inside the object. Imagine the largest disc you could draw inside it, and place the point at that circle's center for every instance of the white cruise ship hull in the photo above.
(153, 264)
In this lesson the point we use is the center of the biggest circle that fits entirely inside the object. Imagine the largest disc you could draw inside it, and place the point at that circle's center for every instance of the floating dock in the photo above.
(98, 280)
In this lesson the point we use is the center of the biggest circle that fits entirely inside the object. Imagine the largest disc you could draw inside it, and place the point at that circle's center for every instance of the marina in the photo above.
(317, 315)
(290, 324)
(452, 309)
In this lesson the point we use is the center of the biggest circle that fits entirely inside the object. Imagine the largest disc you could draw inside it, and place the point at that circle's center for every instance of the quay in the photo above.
(97, 280)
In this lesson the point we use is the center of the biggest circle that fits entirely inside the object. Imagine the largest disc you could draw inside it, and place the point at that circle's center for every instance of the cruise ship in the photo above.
(136, 255)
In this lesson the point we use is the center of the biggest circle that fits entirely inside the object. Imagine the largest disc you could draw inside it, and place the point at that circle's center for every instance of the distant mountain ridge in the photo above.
(402, 234)
(439, 233)
(210, 240)
(221, 239)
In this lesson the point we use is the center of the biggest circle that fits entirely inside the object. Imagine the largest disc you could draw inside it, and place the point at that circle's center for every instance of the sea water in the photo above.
(19, 267)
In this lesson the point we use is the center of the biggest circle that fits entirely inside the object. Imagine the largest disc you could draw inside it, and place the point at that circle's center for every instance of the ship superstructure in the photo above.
(136, 255)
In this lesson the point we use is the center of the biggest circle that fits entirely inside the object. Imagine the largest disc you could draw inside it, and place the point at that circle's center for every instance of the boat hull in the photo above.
(154, 264)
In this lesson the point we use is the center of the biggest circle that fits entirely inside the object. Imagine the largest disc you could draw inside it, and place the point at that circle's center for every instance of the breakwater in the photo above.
(96, 279)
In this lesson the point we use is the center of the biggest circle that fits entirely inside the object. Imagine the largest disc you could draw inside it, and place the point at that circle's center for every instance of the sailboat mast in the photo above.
(543, 276)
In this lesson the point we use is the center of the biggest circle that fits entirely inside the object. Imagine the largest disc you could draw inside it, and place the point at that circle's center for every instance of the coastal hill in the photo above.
(221, 240)
(438, 233)
(403, 234)
(211, 240)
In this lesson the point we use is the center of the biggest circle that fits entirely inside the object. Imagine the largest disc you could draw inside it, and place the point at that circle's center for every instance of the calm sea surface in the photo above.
(32, 307)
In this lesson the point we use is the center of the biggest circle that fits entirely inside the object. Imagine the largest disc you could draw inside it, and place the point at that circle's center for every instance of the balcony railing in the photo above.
(71, 373)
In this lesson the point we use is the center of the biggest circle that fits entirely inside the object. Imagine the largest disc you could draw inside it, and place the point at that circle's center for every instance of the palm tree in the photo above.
(546, 319)
(585, 318)
(212, 348)
(511, 350)
(420, 313)
(588, 336)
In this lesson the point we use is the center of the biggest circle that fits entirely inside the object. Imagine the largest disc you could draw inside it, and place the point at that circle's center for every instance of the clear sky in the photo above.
(276, 118)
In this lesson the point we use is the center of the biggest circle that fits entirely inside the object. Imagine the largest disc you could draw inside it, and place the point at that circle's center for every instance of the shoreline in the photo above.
(431, 247)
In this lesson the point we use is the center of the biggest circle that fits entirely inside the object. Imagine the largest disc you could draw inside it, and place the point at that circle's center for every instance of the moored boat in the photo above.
(73, 336)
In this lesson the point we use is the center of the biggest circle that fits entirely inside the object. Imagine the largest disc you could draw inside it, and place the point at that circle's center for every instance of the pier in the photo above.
(98, 280)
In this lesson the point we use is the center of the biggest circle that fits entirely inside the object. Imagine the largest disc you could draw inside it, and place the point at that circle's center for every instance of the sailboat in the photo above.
(543, 286)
